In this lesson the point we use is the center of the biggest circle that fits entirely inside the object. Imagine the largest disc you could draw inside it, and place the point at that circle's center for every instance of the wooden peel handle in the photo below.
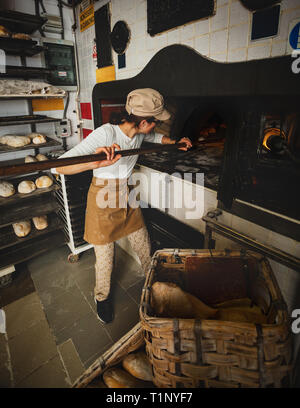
(24, 168)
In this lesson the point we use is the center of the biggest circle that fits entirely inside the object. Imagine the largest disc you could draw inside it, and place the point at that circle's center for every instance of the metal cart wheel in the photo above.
(73, 258)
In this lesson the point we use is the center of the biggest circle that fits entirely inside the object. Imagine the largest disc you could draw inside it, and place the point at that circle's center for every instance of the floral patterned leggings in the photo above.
(140, 243)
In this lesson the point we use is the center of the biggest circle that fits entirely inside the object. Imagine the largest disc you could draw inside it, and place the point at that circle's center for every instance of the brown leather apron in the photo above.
(117, 219)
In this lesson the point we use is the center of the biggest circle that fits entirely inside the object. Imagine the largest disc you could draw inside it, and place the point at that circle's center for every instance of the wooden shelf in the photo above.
(26, 23)
(26, 48)
(26, 209)
(8, 237)
(49, 143)
(18, 197)
(12, 71)
(31, 248)
(35, 96)
(26, 120)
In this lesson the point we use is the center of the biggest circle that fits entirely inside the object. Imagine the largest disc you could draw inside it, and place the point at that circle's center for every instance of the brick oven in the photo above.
(244, 120)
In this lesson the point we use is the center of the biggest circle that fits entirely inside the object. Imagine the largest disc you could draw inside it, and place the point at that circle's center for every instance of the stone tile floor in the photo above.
(52, 331)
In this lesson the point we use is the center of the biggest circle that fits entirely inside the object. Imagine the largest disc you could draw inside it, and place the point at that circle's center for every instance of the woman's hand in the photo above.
(111, 158)
(188, 143)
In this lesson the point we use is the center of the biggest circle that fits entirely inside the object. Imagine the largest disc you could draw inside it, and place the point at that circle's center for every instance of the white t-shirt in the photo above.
(106, 135)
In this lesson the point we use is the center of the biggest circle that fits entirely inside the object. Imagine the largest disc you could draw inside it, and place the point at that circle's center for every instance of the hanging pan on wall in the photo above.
(254, 5)
(120, 37)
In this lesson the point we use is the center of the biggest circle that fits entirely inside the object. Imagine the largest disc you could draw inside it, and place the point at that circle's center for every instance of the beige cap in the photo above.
(146, 102)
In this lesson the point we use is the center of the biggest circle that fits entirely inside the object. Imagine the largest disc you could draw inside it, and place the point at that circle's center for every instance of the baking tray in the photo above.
(12, 71)
(9, 238)
(26, 120)
(18, 197)
(49, 143)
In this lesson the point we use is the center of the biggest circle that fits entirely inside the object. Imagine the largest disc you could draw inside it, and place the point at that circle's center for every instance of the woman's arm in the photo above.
(79, 168)
(186, 140)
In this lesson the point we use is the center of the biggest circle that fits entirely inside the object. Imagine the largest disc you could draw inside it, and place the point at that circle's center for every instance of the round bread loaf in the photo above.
(119, 378)
(41, 157)
(41, 222)
(43, 182)
(138, 365)
(30, 159)
(15, 141)
(6, 189)
(22, 228)
(26, 187)
(39, 139)
(3, 139)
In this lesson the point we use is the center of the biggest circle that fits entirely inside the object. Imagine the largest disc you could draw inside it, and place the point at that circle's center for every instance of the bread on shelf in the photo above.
(30, 159)
(21, 36)
(4, 32)
(40, 222)
(6, 189)
(43, 182)
(41, 157)
(22, 228)
(26, 187)
(15, 141)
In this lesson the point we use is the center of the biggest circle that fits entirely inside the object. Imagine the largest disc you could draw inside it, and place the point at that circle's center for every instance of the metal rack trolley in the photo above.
(72, 196)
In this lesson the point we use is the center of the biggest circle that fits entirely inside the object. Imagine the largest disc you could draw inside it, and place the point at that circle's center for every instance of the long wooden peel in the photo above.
(24, 168)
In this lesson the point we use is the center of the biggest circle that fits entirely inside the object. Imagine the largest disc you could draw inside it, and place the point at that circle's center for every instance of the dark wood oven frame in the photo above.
(178, 71)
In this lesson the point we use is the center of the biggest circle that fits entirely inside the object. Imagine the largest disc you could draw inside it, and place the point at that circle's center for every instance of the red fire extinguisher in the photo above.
(94, 51)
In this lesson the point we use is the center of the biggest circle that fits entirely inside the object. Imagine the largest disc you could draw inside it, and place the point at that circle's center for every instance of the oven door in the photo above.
(257, 184)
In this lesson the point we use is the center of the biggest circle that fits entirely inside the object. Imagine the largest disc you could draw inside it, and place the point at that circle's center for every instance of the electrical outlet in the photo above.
(63, 128)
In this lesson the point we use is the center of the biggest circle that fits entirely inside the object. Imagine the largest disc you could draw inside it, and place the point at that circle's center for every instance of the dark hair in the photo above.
(117, 118)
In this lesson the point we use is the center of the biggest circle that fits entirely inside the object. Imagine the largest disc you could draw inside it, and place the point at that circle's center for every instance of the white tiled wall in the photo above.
(225, 37)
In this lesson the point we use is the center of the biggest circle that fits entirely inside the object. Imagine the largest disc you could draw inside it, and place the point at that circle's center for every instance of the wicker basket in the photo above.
(130, 342)
(194, 353)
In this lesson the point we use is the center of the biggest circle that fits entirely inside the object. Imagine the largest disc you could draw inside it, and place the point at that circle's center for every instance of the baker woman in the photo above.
(103, 226)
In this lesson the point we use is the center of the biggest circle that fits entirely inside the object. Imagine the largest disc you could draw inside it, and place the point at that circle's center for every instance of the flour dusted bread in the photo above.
(15, 141)
(22, 228)
(41, 157)
(169, 300)
(26, 187)
(41, 222)
(138, 365)
(119, 378)
(6, 189)
(38, 138)
(43, 182)
(30, 159)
